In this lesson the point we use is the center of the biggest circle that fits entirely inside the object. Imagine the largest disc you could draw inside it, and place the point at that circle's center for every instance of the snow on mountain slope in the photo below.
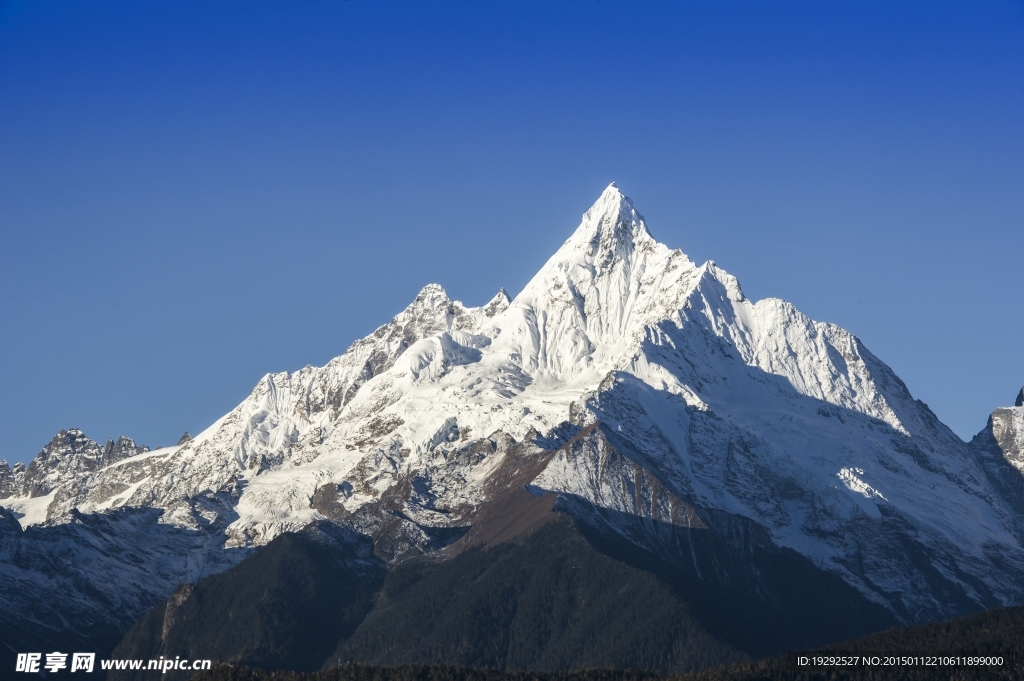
(79, 584)
(717, 402)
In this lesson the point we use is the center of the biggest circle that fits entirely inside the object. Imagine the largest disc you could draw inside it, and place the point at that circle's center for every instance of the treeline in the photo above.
(417, 672)
(775, 669)
(994, 633)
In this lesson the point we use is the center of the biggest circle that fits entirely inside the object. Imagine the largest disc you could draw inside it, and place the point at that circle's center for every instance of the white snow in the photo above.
(163, 451)
(30, 511)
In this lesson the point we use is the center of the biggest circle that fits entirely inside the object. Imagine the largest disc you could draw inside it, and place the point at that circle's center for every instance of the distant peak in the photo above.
(498, 303)
(1020, 399)
(501, 298)
(430, 299)
(431, 290)
(609, 240)
(184, 439)
(430, 296)
(71, 435)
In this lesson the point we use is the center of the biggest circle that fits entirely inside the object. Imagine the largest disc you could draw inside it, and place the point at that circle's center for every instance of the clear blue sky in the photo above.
(193, 194)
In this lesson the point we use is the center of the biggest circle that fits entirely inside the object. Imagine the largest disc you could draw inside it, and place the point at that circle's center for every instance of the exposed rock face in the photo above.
(68, 457)
(1000, 448)
(624, 380)
(10, 534)
(1007, 428)
(8, 481)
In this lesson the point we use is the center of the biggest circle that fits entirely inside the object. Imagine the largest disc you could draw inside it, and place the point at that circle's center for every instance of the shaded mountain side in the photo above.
(563, 594)
(998, 632)
(575, 594)
(547, 601)
(285, 607)
(994, 632)
(79, 586)
(1000, 449)
(744, 590)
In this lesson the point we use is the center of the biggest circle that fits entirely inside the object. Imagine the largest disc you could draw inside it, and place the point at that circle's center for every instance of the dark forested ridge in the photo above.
(570, 595)
(563, 595)
(284, 608)
(995, 632)
(419, 672)
(549, 602)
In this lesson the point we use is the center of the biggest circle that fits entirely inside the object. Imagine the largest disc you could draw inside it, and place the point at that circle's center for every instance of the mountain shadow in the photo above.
(544, 601)
(996, 634)
(746, 591)
(79, 586)
(563, 594)
(285, 607)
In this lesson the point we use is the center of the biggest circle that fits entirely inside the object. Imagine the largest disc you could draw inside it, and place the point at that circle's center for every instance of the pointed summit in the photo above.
(594, 295)
(499, 303)
(610, 230)
(613, 207)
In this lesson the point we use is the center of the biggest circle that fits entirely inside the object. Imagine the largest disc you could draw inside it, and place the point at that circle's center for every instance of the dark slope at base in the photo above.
(78, 586)
(573, 596)
(419, 672)
(565, 595)
(286, 607)
(996, 632)
(548, 601)
(747, 592)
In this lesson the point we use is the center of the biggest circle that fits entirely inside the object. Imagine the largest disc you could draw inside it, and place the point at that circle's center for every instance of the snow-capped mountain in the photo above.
(625, 379)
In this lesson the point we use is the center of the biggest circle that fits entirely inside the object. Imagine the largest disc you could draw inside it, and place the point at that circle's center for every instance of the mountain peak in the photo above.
(591, 299)
(431, 291)
(431, 297)
(613, 206)
(610, 230)
(1020, 399)
(499, 303)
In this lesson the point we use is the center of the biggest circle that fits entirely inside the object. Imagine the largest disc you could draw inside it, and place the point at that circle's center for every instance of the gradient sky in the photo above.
(193, 194)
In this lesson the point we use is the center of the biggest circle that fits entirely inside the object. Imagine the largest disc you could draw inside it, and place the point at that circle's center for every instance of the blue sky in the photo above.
(193, 194)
